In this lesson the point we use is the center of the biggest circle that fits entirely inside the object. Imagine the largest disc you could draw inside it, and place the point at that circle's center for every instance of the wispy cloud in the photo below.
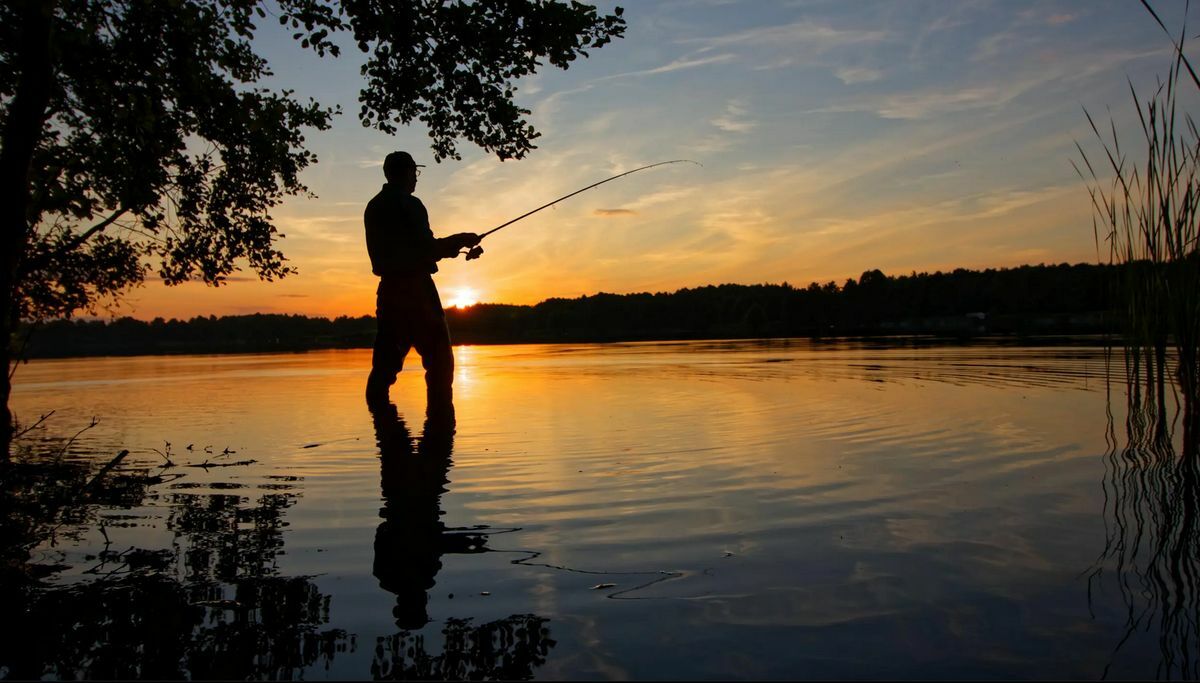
(663, 196)
(680, 64)
(710, 144)
(1059, 19)
(327, 228)
(1009, 200)
(921, 105)
(804, 33)
(990, 215)
(943, 23)
(614, 213)
(777, 64)
(852, 74)
(1027, 34)
(733, 119)
(992, 93)
(546, 110)
(786, 45)
(600, 124)
(675, 65)
(951, 20)
(1036, 15)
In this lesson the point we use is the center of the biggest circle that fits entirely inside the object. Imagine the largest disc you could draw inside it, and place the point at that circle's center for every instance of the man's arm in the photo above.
(450, 247)
(376, 249)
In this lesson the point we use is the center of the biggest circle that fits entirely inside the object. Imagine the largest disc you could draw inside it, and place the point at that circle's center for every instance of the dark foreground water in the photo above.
(772, 509)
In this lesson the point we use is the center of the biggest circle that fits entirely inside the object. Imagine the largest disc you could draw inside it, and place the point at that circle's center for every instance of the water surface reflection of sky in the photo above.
(773, 509)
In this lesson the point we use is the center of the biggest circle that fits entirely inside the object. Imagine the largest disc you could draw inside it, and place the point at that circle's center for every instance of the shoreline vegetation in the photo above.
(1031, 300)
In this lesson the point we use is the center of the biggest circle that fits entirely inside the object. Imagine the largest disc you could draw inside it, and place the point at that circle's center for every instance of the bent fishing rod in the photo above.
(477, 250)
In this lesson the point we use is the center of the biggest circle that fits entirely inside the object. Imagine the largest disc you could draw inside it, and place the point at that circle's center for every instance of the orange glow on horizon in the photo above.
(463, 297)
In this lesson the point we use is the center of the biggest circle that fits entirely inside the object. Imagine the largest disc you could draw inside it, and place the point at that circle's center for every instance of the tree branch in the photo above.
(75, 243)
(87, 234)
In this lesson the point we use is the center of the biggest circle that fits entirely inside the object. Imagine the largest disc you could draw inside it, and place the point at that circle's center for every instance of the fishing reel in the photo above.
(474, 252)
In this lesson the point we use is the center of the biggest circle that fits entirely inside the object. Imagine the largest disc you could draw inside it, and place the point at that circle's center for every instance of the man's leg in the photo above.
(438, 360)
(387, 359)
(387, 355)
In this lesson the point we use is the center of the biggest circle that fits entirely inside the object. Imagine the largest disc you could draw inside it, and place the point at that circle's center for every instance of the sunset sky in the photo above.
(835, 138)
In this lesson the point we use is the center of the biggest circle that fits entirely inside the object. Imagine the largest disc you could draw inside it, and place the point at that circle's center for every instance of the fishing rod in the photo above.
(477, 250)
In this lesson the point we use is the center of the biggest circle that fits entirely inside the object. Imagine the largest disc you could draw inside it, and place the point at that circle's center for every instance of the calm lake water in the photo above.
(711, 510)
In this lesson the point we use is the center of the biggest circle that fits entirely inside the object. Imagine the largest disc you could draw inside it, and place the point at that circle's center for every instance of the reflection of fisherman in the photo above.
(411, 540)
(408, 311)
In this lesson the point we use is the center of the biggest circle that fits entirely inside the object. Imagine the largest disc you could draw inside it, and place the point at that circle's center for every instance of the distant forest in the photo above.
(1028, 300)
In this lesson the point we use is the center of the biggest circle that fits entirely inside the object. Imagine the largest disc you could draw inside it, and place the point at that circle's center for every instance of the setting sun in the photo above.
(463, 297)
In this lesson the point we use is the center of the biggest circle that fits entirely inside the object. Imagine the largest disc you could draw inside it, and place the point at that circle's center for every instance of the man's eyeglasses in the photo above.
(416, 172)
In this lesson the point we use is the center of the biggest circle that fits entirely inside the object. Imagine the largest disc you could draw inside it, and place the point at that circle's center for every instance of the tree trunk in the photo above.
(21, 131)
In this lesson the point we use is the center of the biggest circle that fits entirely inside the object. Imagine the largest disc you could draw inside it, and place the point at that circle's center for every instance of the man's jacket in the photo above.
(399, 240)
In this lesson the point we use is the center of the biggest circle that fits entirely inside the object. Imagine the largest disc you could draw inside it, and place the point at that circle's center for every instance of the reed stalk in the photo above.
(1146, 211)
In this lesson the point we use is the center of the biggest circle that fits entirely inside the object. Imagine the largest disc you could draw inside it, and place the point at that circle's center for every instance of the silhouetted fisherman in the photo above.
(404, 254)
(411, 540)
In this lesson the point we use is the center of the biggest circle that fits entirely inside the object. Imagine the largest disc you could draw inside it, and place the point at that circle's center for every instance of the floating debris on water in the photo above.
(322, 443)
(219, 604)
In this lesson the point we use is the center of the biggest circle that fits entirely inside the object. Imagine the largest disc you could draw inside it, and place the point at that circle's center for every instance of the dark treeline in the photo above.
(1040, 299)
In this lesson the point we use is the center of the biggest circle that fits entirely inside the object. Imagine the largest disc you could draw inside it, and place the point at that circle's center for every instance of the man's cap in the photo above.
(398, 160)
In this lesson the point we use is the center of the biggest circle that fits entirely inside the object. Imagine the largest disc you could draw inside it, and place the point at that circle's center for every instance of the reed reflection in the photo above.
(1152, 501)
(409, 545)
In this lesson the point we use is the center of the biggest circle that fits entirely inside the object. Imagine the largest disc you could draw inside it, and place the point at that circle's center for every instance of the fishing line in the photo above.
(476, 251)
(530, 555)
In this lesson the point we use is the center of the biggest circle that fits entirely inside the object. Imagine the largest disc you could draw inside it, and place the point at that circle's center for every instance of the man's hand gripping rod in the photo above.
(475, 251)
